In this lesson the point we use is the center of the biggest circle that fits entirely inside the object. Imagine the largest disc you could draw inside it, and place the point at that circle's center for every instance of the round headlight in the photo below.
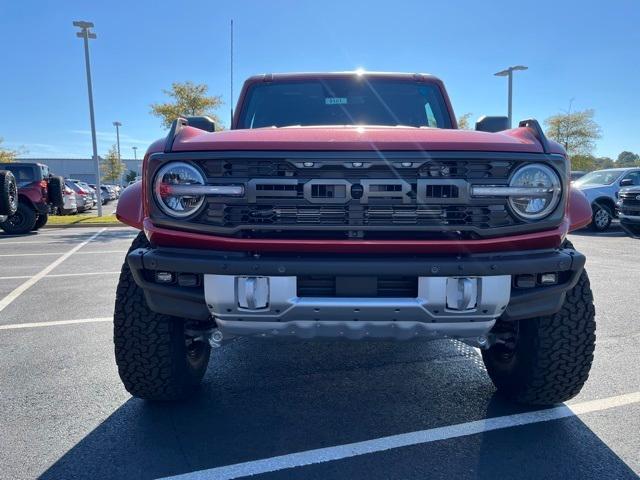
(170, 192)
(540, 192)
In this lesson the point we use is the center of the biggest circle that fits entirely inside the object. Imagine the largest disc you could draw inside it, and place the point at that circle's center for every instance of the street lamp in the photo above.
(86, 34)
(118, 125)
(509, 73)
(135, 157)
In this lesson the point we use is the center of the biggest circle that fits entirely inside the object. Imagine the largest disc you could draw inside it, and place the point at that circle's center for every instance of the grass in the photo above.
(82, 219)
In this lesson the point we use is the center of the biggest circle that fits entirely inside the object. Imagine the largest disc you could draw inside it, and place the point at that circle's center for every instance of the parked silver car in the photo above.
(84, 198)
(601, 189)
(70, 205)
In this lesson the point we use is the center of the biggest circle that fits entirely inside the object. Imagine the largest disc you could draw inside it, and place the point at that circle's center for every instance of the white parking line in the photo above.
(57, 253)
(6, 301)
(52, 275)
(17, 326)
(330, 454)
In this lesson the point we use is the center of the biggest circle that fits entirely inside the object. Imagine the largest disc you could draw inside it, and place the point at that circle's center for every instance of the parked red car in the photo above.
(349, 205)
(38, 190)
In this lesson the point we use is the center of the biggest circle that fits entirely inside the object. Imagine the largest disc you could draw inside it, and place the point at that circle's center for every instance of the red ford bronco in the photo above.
(349, 205)
(38, 191)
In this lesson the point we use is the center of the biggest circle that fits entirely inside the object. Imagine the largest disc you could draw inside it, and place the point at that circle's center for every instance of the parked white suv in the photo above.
(601, 189)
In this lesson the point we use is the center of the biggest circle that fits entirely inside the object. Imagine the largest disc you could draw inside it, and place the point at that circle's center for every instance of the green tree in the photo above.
(463, 121)
(628, 159)
(577, 131)
(583, 162)
(112, 168)
(130, 176)
(601, 163)
(8, 155)
(188, 99)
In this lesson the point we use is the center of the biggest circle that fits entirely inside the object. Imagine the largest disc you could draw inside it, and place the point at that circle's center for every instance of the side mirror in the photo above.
(626, 182)
(203, 123)
(492, 124)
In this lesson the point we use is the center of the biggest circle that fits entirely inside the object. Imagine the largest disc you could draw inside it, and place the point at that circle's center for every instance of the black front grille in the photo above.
(386, 286)
(411, 168)
(358, 195)
(252, 216)
(630, 199)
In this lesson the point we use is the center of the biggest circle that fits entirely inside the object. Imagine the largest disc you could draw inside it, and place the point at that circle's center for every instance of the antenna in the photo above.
(231, 100)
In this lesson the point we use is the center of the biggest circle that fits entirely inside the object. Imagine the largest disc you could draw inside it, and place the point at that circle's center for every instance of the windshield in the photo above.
(344, 101)
(602, 177)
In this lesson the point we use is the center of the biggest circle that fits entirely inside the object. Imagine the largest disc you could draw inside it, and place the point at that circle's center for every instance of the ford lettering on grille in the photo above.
(365, 191)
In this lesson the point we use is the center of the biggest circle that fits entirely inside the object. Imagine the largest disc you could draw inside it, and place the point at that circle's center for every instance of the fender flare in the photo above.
(579, 210)
(606, 201)
(130, 210)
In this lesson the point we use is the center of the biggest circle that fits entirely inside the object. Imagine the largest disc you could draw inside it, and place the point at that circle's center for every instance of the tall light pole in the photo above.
(86, 34)
(135, 157)
(118, 125)
(509, 73)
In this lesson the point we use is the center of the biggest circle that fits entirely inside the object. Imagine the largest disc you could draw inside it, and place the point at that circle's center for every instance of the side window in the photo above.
(635, 176)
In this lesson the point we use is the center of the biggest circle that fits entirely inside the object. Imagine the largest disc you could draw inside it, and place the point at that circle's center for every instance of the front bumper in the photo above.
(215, 295)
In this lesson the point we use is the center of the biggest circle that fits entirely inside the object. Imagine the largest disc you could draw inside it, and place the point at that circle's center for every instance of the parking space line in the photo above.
(56, 253)
(340, 452)
(6, 301)
(17, 326)
(53, 275)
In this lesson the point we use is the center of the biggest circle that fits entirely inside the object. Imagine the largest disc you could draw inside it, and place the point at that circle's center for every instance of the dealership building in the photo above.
(81, 168)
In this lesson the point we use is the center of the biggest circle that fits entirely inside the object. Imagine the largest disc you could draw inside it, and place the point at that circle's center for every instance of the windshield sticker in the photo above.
(335, 101)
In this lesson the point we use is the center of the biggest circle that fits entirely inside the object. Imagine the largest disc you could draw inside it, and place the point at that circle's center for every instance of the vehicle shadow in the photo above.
(615, 230)
(262, 399)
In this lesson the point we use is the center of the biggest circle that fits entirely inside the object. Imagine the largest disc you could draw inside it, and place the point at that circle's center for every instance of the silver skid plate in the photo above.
(457, 307)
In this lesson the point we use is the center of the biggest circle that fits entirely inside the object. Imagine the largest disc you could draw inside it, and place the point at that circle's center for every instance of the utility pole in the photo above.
(135, 157)
(509, 73)
(86, 34)
(231, 99)
(118, 125)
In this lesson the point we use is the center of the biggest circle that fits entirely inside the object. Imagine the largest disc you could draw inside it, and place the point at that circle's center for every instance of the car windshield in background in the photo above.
(345, 101)
(24, 174)
(602, 177)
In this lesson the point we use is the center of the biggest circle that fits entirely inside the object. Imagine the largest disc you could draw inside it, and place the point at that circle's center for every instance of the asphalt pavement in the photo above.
(290, 409)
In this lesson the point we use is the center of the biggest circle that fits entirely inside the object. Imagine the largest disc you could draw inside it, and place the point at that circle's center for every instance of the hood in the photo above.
(368, 138)
(592, 191)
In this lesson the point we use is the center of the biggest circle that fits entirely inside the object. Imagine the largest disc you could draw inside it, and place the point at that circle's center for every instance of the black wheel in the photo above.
(8, 193)
(156, 360)
(55, 188)
(41, 221)
(601, 218)
(22, 221)
(546, 360)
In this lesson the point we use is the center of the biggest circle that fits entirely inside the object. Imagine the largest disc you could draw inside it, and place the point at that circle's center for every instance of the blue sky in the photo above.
(585, 50)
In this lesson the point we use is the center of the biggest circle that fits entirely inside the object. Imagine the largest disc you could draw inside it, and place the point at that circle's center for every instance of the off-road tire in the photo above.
(553, 354)
(41, 221)
(150, 349)
(599, 211)
(55, 191)
(22, 221)
(8, 193)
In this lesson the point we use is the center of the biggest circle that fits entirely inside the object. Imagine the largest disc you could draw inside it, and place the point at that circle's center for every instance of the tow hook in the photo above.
(212, 335)
(215, 339)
